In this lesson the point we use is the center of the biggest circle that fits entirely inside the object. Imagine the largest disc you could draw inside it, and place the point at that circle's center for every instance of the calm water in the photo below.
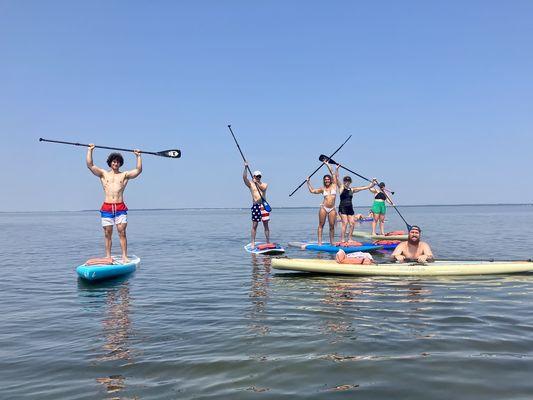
(203, 319)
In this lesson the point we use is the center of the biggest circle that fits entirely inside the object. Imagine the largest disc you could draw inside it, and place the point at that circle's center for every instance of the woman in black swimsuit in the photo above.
(346, 211)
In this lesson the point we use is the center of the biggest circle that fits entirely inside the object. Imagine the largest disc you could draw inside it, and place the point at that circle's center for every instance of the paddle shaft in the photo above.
(100, 147)
(398, 211)
(362, 177)
(316, 170)
(265, 203)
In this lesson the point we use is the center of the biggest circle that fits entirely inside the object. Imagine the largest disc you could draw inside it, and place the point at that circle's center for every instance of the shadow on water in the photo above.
(112, 299)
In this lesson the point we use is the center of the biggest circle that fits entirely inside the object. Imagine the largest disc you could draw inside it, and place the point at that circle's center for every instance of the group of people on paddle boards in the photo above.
(114, 211)
(331, 183)
(411, 250)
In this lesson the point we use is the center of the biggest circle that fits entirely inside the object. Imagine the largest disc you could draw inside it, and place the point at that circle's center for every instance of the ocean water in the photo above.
(203, 319)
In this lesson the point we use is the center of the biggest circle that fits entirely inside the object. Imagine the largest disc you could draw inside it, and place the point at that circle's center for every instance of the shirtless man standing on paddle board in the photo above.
(114, 211)
(413, 249)
(258, 211)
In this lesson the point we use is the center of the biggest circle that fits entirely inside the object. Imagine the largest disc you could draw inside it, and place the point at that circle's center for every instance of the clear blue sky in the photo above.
(438, 97)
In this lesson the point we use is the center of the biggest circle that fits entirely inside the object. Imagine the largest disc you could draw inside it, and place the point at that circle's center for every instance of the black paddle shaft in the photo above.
(316, 170)
(331, 161)
(265, 203)
(166, 153)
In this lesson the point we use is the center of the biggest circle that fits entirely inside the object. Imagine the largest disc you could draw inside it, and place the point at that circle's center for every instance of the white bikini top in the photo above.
(332, 191)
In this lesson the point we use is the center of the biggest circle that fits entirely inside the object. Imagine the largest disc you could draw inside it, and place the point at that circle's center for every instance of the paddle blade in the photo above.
(266, 206)
(323, 158)
(175, 153)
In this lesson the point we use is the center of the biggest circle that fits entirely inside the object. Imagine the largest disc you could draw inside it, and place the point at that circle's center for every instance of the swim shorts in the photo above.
(259, 213)
(379, 207)
(114, 214)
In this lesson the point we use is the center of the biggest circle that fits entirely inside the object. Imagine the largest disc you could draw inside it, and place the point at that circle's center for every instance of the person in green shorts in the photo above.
(379, 208)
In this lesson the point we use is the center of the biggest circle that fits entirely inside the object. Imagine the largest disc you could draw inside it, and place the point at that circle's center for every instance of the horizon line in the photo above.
(287, 208)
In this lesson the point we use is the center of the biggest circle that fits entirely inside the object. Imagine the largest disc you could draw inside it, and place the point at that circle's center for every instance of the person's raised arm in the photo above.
(339, 184)
(329, 168)
(134, 173)
(374, 190)
(99, 172)
(369, 186)
(245, 175)
(315, 191)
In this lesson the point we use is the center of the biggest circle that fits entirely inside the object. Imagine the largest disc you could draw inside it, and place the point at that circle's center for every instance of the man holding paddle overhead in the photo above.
(114, 211)
(258, 191)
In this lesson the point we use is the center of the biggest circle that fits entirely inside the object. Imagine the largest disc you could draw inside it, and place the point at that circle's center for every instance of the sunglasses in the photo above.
(257, 176)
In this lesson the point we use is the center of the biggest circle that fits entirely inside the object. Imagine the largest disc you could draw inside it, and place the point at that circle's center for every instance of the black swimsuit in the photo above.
(346, 206)
(380, 196)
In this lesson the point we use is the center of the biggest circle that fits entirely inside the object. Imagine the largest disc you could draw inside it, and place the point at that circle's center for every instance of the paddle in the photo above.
(324, 158)
(330, 161)
(315, 171)
(174, 153)
(263, 201)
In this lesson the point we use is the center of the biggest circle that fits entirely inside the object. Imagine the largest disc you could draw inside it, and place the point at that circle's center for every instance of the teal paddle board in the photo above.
(108, 271)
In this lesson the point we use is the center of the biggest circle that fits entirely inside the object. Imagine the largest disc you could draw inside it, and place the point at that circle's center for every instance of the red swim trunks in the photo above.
(114, 214)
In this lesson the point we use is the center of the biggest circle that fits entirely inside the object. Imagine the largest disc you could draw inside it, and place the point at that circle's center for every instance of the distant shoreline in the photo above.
(279, 208)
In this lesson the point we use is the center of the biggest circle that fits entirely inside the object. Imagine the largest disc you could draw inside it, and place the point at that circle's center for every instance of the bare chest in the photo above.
(116, 181)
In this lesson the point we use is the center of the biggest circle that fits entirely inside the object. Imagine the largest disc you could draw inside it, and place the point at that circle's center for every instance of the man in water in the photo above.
(258, 191)
(114, 211)
(414, 249)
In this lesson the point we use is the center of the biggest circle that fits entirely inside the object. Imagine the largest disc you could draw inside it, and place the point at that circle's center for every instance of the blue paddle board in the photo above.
(272, 251)
(100, 272)
(333, 249)
(384, 246)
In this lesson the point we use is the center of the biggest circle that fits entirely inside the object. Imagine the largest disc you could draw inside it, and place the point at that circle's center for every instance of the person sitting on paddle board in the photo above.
(346, 210)
(327, 207)
(413, 249)
(258, 190)
(113, 210)
(379, 207)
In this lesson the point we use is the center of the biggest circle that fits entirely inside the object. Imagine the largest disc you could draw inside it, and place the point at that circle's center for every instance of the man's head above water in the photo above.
(414, 234)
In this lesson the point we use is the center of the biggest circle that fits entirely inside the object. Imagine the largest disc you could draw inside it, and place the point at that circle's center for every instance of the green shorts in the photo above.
(379, 207)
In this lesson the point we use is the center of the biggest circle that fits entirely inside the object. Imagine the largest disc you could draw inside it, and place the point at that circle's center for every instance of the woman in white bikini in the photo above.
(327, 208)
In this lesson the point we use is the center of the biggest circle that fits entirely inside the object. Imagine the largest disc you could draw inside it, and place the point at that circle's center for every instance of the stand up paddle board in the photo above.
(437, 268)
(265, 248)
(369, 236)
(108, 270)
(327, 247)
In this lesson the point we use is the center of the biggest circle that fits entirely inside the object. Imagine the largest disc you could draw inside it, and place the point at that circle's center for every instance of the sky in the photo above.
(437, 95)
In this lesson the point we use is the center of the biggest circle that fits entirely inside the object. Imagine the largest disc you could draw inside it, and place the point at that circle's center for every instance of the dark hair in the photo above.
(327, 176)
(416, 227)
(115, 156)
(347, 178)
(381, 184)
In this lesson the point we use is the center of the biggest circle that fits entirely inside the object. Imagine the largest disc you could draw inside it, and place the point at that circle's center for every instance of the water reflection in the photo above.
(116, 325)
(259, 294)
